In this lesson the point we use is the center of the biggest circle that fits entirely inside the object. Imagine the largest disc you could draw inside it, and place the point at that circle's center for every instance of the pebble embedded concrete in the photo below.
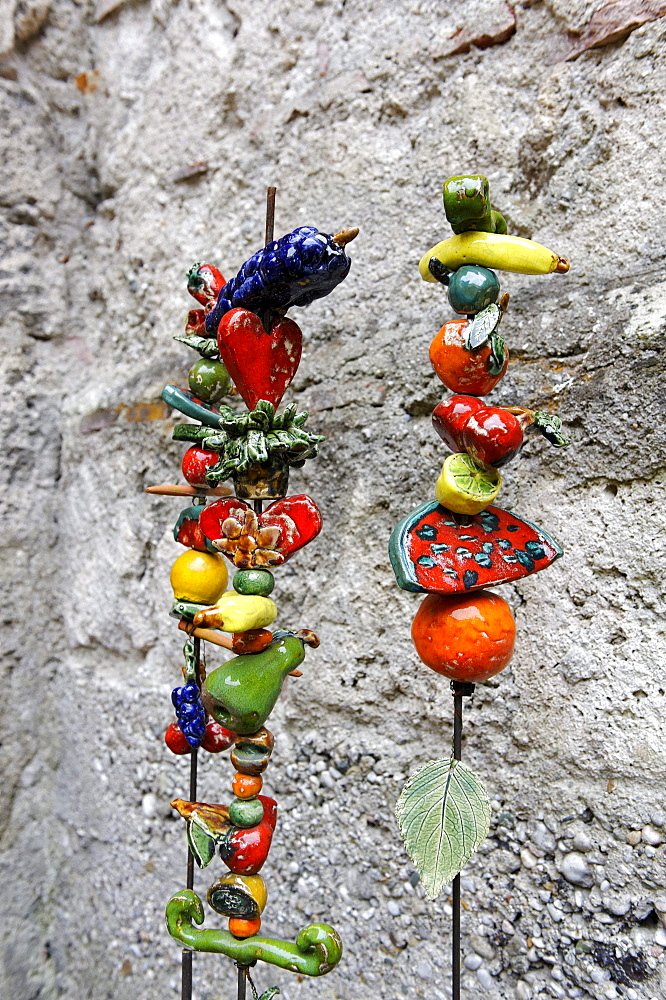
(140, 137)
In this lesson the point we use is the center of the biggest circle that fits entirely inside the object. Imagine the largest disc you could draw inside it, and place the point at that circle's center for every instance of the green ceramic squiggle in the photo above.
(316, 951)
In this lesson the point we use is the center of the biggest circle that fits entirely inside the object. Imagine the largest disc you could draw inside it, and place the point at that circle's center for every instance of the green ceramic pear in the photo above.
(242, 692)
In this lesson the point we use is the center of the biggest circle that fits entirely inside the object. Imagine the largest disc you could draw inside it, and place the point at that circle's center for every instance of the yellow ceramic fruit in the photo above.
(234, 895)
(504, 253)
(199, 577)
(465, 487)
(238, 613)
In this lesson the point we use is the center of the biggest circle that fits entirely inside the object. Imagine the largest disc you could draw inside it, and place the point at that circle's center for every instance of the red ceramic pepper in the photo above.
(204, 283)
(450, 416)
(245, 850)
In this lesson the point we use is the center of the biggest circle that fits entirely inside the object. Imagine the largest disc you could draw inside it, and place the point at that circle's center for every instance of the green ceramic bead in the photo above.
(209, 380)
(246, 812)
(472, 288)
(254, 582)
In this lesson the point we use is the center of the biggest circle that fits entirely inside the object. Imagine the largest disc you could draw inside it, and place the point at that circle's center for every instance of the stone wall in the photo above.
(140, 137)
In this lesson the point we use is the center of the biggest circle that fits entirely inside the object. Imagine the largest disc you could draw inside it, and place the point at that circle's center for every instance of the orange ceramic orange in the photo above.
(467, 638)
(459, 369)
(244, 928)
(246, 786)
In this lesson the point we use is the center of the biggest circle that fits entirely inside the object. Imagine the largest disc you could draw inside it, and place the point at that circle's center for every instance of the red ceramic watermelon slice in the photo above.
(436, 551)
(267, 539)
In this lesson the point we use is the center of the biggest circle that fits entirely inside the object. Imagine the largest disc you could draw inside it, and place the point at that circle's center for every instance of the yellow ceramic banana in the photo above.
(238, 613)
(504, 253)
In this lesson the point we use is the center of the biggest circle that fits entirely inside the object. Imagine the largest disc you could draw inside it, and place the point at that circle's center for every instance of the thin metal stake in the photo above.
(270, 213)
(459, 690)
(265, 314)
(242, 981)
(186, 979)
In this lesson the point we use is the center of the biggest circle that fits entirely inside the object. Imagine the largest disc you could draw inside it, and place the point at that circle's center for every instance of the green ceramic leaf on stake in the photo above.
(444, 814)
(201, 844)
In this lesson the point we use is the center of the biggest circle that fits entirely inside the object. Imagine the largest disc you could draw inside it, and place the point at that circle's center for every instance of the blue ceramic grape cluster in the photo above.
(293, 271)
(190, 713)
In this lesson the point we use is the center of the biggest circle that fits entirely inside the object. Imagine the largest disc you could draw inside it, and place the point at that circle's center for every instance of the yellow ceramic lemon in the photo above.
(199, 577)
(465, 487)
(238, 613)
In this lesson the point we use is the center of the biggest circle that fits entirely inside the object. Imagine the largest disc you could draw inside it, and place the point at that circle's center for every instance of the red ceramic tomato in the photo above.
(467, 637)
(217, 738)
(459, 369)
(176, 741)
(244, 850)
(196, 463)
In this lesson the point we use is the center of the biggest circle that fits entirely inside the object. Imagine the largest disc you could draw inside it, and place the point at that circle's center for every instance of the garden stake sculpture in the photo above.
(241, 332)
(453, 547)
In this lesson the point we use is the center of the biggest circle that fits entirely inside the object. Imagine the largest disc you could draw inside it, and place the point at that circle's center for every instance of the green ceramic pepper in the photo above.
(242, 692)
(467, 205)
(316, 951)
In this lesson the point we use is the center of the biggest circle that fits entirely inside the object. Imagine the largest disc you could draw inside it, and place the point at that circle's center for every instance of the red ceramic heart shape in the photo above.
(268, 539)
(261, 364)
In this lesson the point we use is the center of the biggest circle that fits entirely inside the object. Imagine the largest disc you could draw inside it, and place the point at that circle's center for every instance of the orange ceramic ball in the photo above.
(246, 786)
(466, 637)
(244, 928)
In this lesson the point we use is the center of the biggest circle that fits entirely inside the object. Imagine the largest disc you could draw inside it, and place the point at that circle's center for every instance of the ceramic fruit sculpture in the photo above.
(241, 333)
(457, 543)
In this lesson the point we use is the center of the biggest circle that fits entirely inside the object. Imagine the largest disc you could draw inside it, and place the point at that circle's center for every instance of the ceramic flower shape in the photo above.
(247, 543)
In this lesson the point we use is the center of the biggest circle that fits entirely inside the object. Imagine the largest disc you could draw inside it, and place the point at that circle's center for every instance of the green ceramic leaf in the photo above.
(201, 845)
(444, 814)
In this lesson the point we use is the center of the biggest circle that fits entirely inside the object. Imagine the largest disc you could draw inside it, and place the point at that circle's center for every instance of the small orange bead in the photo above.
(246, 786)
(244, 928)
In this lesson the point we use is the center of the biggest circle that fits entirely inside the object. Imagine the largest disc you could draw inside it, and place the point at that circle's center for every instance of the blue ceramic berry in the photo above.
(472, 288)
(190, 713)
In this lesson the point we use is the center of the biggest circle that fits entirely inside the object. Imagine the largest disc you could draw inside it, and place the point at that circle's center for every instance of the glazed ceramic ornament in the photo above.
(242, 692)
(240, 332)
(262, 363)
(436, 551)
(453, 546)
(267, 539)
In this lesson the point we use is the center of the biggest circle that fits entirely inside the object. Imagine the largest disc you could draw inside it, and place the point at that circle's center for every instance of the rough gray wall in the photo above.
(356, 110)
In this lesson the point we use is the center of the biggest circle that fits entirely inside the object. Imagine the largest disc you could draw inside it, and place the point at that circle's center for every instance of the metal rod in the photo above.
(186, 978)
(459, 690)
(242, 981)
(265, 314)
(270, 213)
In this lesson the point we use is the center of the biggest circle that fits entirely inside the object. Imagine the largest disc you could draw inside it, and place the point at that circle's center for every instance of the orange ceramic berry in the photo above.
(244, 928)
(246, 786)
(466, 637)
(460, 369)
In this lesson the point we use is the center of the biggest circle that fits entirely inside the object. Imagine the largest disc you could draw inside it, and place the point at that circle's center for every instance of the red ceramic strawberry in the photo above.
(204, 283)
(261, 364)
